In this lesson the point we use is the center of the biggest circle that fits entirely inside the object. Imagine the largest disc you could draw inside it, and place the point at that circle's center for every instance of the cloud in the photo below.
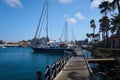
(14, 3)
(71, 20)
(96, 3)
(79, 16)
(65, 1)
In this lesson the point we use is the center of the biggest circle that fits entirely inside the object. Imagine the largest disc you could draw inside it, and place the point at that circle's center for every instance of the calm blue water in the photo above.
(87, 54)
(22, 63)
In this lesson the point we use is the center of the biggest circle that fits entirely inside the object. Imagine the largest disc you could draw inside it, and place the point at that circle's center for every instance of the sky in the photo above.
(19, 18)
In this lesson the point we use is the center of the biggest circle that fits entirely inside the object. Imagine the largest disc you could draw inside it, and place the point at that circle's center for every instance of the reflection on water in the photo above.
(22, 63)
(87, 54)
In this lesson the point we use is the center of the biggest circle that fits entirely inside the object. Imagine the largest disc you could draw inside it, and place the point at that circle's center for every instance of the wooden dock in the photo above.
(101, 60)
(75, 69)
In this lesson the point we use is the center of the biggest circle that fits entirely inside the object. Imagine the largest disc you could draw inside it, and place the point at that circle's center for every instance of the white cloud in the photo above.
(79, 16)
(13, 3)
(65, 1)
(71, 20)
(96, 3)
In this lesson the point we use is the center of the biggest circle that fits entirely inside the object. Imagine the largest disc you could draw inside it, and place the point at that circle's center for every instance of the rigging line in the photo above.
(40, 18)
(42, 24)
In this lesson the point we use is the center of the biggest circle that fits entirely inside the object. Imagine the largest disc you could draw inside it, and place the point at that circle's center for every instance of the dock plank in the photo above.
(100, 60)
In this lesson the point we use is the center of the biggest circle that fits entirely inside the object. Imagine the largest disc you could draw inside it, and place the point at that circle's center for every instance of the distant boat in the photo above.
(43, 44)
(2, 47)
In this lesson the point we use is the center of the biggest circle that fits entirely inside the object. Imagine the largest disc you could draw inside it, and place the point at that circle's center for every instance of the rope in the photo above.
(40, 20)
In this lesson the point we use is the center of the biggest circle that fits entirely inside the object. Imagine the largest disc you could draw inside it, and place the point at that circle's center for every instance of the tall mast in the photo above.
(72, 34)
(66, 31)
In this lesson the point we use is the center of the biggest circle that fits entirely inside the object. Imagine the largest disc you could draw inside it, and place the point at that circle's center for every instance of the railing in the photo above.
(51, 72)
(47, 73)
(56, 68)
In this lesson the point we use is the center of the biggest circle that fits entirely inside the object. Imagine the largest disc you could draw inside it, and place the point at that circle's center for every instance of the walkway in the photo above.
(101, 60)
(75, 69)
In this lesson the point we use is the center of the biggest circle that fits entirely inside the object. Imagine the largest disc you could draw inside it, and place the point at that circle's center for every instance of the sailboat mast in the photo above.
(72, 34)
(66, 32)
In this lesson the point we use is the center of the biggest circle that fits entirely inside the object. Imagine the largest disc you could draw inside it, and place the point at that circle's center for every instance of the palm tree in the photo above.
(88, 36)
(115, 22)
(104, 23)
(92, 24)
(112, 30)
(97, 37)
(116, 4)
(102, 28)
(92, 37)
(105, 7)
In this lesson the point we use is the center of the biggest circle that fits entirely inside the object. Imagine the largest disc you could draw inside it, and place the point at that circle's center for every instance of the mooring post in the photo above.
(39, 75)
(55, 69)
(47, 73)
(64, 61)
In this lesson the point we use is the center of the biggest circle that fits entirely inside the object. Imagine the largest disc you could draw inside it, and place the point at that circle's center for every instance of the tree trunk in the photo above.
(93, 34)
(102, 36)
(118, 5)
(107, 42)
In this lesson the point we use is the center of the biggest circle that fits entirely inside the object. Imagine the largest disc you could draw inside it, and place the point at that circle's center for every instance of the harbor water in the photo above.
(23, 63)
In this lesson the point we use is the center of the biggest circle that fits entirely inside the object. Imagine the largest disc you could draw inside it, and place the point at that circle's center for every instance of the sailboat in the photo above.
(43, 44)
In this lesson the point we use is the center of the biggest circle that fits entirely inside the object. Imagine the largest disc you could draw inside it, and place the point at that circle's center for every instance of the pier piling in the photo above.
(39, 75)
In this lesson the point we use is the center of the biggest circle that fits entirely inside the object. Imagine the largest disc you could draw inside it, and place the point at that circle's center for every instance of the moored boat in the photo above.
(43, 44)
(51, 50)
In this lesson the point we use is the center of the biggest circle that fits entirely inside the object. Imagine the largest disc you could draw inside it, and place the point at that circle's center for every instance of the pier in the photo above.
(77, 68)
(101, 60)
